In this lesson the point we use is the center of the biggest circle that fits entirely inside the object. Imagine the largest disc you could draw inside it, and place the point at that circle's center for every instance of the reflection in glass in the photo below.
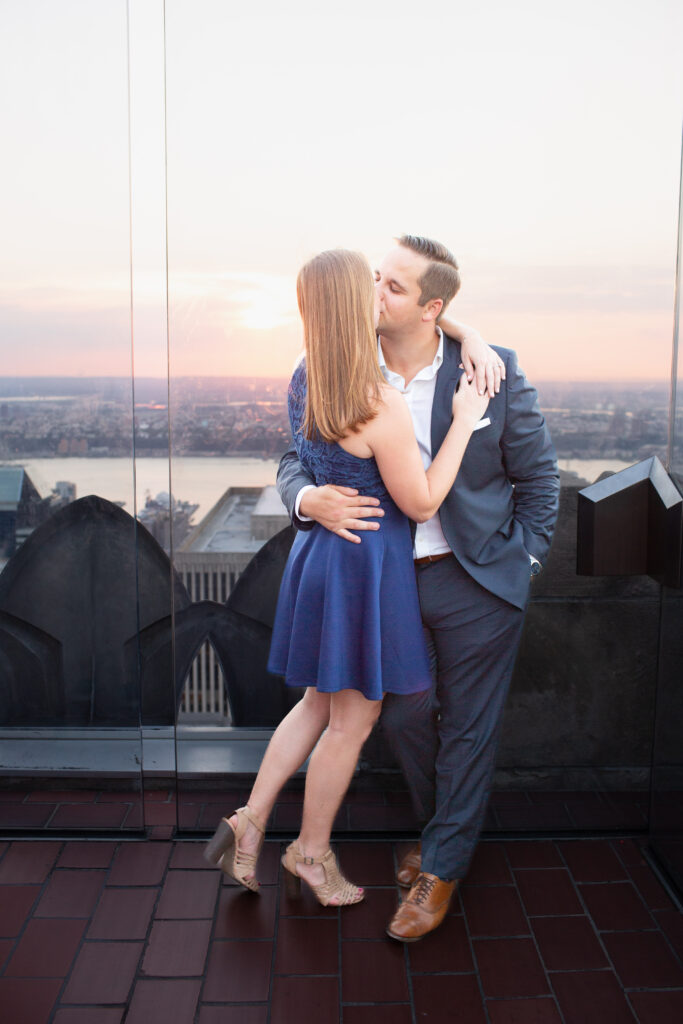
(666, 808)
(69, 685)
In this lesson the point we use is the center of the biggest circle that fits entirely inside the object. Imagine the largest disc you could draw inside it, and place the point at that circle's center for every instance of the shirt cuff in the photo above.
(297, 503)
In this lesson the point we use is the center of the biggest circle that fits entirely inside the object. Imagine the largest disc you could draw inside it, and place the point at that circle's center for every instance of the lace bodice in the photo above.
(327, 462)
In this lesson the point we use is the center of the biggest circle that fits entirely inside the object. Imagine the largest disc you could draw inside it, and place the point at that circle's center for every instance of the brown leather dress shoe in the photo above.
(409, 868)
(423, 909)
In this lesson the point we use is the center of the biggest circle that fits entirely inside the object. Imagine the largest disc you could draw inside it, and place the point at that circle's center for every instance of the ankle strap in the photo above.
(252, 818)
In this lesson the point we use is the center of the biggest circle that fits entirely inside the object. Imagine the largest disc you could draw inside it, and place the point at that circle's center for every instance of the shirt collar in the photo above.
(426, 373)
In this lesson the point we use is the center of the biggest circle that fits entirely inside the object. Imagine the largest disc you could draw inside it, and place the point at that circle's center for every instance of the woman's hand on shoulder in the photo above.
(468, 405)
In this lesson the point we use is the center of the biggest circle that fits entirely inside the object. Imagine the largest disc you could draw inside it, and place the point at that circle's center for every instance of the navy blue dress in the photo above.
(348, 615)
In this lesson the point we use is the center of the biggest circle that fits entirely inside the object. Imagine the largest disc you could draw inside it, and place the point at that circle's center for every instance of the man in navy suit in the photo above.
(473, 561)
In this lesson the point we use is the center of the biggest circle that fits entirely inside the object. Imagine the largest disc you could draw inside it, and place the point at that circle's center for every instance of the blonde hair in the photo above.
(335, 291)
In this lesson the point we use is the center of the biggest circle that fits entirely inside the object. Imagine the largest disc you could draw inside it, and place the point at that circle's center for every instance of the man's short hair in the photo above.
(441, 279)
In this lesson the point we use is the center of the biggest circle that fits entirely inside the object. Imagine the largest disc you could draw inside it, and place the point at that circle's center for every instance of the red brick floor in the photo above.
(542, 932)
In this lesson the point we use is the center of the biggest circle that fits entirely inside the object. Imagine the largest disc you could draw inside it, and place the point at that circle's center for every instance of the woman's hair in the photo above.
(335, 291)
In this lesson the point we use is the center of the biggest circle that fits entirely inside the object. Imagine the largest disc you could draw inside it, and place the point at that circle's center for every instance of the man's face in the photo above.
(397, 292)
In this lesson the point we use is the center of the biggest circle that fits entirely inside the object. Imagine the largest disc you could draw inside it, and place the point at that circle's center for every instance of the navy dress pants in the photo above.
(445, 739)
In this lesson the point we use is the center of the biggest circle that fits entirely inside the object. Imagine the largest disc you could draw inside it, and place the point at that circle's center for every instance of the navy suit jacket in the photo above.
(503, 505)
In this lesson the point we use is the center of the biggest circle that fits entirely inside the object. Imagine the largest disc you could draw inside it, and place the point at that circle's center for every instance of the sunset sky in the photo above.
(541, 141)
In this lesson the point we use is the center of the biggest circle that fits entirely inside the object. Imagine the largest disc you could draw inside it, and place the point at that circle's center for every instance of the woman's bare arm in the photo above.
(392, 440)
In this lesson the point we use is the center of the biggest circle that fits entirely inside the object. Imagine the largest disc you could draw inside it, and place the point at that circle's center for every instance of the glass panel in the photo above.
(666, 824)
(69, 685)
(300, 131)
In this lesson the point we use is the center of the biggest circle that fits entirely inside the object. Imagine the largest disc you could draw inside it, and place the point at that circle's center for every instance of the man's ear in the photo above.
(431, 310)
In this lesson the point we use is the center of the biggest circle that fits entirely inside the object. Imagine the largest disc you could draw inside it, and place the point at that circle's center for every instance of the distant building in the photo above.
(21, 508)
(156, 517)
(210, 561)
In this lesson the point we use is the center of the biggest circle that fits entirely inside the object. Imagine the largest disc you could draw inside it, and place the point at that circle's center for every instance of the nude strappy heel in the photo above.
(334, 886)
(223, 849)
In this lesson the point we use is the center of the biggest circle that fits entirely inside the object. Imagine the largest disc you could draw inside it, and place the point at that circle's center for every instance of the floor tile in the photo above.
(120, 796)
(123, 914)
(533, 853)
(367, 863)
(63, 796)
(369, 919)
(177, 949)
(543, 816)
(375, 818)
(591, 997)
(374, 972)
(658, 1007)
(238, 972)
(190, 856)
(548, 891)
(616, 906)
(494, 910)
(88, 854)
(6, 947)
(246, 915)
(233, 1014)
(71, 893)
(306, 946)
(88, 1015)
(139, 864)
(16, 902)
(437, 996)
(629, 852)
(89, 816)
(386, 1013)
(489, 866)
(103, 973)
(643, 960)
(28, 1001)
(509, 967)
(27, 862)
(648, 886)
(188, 894)
(568, 944)
(523, 1011)
(446, 949)
(160, 814)
(671, 923)
(26, 815)
(305, 999)
(46, 949)
(592, 860)
(170, 1002)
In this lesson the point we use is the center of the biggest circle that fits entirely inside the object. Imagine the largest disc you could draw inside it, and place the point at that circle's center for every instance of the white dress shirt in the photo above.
(419, 396)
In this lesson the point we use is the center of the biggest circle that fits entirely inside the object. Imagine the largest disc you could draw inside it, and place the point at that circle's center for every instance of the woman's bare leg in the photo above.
(331, 767)
(290, 745)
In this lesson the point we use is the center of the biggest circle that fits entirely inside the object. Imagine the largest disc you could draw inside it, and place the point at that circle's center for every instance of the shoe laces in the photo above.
(423, 889)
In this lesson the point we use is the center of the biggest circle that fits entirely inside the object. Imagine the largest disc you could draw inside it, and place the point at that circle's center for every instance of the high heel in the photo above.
(223, 849)
(335, 885)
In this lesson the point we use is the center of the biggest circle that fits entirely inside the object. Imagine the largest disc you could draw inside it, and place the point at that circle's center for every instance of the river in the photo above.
(200, 481)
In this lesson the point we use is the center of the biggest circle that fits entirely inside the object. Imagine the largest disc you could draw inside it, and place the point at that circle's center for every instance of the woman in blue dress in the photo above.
(348, 624)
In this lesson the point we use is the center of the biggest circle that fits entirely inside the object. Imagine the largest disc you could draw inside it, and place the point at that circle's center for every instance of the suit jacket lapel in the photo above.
(446, 380)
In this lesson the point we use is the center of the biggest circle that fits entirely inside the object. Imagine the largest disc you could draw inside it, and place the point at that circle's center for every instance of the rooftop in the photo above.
(543, 931)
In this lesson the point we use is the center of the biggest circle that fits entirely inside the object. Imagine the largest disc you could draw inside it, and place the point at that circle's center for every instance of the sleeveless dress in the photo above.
(348, 615)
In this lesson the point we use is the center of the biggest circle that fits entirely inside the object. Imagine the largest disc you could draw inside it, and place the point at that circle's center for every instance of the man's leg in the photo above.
(410, 725)
(476, 636)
